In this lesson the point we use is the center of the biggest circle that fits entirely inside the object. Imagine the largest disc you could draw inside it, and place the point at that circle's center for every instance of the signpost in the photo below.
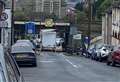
(49, 23)
(5, 25)
(5, 19)
(87, 41)
(30, 29)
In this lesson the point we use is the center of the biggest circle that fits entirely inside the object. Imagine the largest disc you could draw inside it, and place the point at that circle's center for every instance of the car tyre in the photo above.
(108, 63)
(35, 65)
(113, 63)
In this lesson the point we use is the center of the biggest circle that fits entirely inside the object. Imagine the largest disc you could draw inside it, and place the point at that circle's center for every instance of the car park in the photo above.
(114, 57)
(9, 71)
(23, 54)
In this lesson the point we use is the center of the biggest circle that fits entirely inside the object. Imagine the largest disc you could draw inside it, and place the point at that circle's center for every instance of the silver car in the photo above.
(9, 71)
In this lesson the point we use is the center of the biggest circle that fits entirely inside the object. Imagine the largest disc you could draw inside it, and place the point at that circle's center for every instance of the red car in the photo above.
(114, 58)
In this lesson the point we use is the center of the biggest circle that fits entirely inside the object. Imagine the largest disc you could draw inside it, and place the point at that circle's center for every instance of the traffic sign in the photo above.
(87, 40)
(4, 16)
(30, 28)
(5, 19)
(49, 23)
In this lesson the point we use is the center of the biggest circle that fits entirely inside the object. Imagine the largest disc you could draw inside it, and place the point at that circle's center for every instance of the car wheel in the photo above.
(35, 64)
(113, 63)
(108, 63)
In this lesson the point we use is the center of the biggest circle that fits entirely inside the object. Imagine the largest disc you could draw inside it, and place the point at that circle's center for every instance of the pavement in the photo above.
(57, 67)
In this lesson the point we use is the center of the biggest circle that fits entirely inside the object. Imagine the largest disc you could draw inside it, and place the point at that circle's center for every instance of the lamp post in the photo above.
(2, 8)
(90, 3)
(12, 29)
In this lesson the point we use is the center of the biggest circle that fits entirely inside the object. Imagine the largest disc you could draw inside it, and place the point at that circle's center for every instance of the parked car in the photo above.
(9, 71)
(114, 57)
(23, 54)
(103, 52)
(93, 50)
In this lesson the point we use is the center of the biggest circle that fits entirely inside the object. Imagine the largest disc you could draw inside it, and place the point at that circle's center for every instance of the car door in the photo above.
(2, 75)
(12, 68)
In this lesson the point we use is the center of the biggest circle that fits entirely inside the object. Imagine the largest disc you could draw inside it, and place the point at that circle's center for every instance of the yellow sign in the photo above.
(49, 23)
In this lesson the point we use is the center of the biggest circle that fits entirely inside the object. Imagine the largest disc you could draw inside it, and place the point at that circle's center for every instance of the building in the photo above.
(107, 27)
(42, 8)
(116, 24)
(111, 25)
(57, 7)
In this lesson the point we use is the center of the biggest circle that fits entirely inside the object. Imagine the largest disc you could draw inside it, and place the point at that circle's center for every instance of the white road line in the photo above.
(71, 63)
(46, 61)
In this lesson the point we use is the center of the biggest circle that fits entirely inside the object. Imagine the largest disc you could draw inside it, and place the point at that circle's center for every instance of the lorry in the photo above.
(48, 39)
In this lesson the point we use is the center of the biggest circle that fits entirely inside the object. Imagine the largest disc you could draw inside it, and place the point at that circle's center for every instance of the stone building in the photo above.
(111, 25)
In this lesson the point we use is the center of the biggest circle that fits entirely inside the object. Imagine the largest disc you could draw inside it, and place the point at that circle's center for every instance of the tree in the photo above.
(79, 6)
(102, 5)
(81, 17)
(19, 15)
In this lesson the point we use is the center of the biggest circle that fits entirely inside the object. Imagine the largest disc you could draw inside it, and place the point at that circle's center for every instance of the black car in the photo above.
(23, 54)
(25, 58)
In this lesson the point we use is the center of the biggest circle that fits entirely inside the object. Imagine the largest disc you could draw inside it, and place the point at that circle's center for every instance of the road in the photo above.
(56, 67)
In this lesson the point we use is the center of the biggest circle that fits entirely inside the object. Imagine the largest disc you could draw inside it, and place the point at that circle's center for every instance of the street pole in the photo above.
(89, 21)
(12, 28)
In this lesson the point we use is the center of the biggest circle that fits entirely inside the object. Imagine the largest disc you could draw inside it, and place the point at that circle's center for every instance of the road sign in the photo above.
(4, 16)
(30, 28)
(87, 40)
(49, 23)
(5, 19)
(77, 36)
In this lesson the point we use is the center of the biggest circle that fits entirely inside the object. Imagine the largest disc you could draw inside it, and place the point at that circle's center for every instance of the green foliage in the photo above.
(79, 6)
(19, 15)
(103, 5)
(81, 16)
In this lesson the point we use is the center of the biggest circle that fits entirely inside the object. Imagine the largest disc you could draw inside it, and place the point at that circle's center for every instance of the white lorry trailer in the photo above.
(48, 39)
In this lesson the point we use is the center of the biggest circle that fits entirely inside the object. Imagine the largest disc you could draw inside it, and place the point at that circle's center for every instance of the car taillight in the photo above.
(116, 55)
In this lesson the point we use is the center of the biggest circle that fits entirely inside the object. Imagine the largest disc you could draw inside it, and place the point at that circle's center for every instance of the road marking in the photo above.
(46, 61)
(71, 63)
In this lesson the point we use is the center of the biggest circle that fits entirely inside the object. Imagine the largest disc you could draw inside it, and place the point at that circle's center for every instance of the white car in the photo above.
(102, 53)
(9, 71)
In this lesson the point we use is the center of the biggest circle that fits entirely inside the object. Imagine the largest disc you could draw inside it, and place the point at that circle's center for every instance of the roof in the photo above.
(21, 48)
(25, 42)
